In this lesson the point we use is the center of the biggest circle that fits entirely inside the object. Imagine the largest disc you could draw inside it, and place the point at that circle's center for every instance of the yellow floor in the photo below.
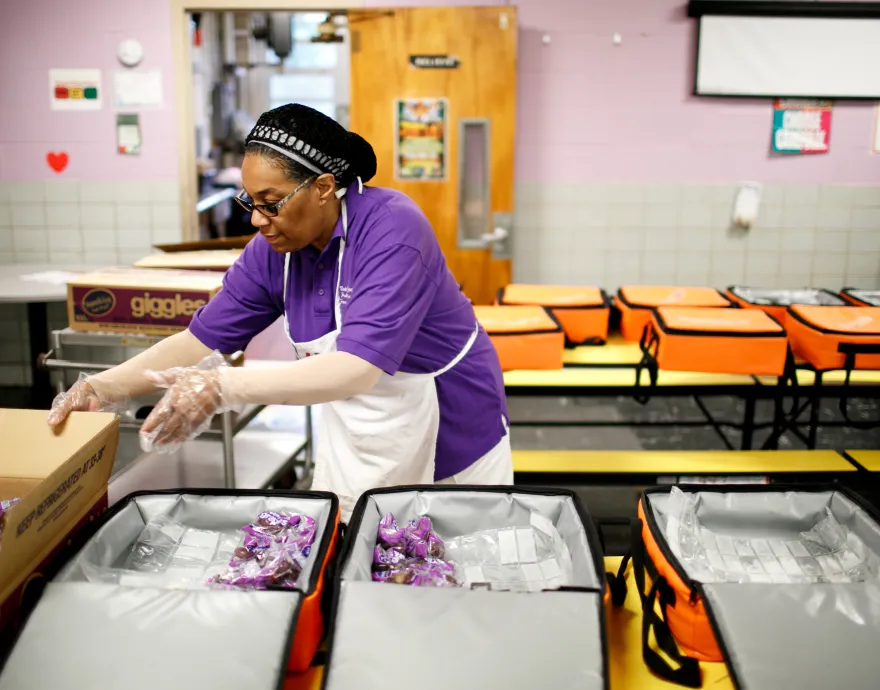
(869, 459)
(628, 671)
(681, 462)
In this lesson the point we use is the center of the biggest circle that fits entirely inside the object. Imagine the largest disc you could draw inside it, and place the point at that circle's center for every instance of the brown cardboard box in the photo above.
(219, 243)
(138, 300)
(61, 478)
(206, 260)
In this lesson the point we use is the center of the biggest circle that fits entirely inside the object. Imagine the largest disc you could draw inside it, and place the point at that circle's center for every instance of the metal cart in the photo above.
(73, 352)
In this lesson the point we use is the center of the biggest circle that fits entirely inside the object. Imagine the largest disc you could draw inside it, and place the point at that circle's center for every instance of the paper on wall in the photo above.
(137, 88)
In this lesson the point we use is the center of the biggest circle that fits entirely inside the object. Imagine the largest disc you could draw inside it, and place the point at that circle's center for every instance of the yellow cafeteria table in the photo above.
(682, 462)
(869, 459)
(610, 370)
(628, 671)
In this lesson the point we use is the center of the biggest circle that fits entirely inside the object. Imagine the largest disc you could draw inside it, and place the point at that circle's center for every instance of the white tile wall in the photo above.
(826, 236)
(69, 222)
(95, 223)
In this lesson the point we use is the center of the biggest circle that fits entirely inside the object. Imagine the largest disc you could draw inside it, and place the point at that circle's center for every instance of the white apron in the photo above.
(385, 437)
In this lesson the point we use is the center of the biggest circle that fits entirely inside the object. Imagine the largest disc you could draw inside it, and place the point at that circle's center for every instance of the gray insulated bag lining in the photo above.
(818, 629)
(785, 298)
(869, 297)
(467, 637)
(103, 634)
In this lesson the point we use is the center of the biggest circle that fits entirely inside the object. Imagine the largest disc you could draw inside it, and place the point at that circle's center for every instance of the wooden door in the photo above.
(433, 89)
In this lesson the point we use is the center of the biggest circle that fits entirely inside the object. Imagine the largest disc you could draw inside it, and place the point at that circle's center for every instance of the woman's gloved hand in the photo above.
(86, 395)
(194, 395)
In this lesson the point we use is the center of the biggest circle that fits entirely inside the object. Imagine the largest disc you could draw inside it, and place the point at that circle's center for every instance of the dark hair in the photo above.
(311, 136)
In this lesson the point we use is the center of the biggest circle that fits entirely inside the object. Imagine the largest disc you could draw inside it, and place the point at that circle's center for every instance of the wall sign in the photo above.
(420, 138)
(128, 134)
(434, 61)
(75, 89)
(801, 126)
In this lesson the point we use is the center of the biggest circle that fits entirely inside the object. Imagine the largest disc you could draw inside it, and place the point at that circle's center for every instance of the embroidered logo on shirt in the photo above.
(344, 295)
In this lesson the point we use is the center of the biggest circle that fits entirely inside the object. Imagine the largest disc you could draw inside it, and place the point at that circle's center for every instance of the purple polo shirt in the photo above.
(401, 311)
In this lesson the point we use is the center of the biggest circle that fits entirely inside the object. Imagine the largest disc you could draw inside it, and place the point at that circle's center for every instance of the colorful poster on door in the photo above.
(801, 126)
(421, 139)
(75, 89)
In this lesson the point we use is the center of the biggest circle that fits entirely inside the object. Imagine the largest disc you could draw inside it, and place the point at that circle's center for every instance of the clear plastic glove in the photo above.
(194, 395)
(86, 395)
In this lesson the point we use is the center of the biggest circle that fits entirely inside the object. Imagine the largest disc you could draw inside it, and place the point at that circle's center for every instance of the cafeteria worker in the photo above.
(410, 387)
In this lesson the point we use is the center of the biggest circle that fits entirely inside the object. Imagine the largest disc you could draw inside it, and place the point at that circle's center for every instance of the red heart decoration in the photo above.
(57, 161)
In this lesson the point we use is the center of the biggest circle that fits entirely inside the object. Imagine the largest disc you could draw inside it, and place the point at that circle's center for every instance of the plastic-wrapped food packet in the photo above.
(836, 551)
(528, 558)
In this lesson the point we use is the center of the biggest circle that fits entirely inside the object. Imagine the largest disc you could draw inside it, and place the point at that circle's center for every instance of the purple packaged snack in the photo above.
(417, 548)
(274, 552)
(419, 528)
(436, 547)
(440, 564)
(389, 533)
(389, 556)
(306, 528)
(424, 550)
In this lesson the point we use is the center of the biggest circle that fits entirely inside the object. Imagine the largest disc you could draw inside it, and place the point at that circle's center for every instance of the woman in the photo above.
(381, 331)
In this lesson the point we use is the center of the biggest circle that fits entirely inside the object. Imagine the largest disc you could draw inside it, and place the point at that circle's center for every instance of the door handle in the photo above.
(498, 234)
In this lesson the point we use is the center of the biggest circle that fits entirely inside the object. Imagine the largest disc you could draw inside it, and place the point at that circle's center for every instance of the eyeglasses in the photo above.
(268, 210)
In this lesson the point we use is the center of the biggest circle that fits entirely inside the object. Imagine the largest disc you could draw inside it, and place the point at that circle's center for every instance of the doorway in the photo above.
(243, 64)
(432, 88)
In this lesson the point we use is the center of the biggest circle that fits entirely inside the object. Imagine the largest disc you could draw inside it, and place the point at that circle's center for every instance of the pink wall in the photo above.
(588, 110)
(592, 111)
(38, 35)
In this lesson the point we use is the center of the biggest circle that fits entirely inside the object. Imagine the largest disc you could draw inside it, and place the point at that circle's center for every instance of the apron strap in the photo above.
(337, 307)
(284, 296)
(463, 352)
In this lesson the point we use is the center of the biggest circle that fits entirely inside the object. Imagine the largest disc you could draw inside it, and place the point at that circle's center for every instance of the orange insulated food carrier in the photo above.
(835, 337)
(635, 303)
(721, 341)
(861, 298)
(773, 580)
(524, 337)
(581, 311)
(776, 302)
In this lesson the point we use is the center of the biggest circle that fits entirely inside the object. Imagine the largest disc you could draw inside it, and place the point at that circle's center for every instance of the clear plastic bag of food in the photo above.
(165, 544)
(840, 554)
(170, 555)
(273, 553)
(826, 553)
(528, 558)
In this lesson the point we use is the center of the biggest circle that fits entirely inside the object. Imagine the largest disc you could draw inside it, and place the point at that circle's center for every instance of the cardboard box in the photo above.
(206, 260)
(219, 243)
(61, 478)
(138, 300)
